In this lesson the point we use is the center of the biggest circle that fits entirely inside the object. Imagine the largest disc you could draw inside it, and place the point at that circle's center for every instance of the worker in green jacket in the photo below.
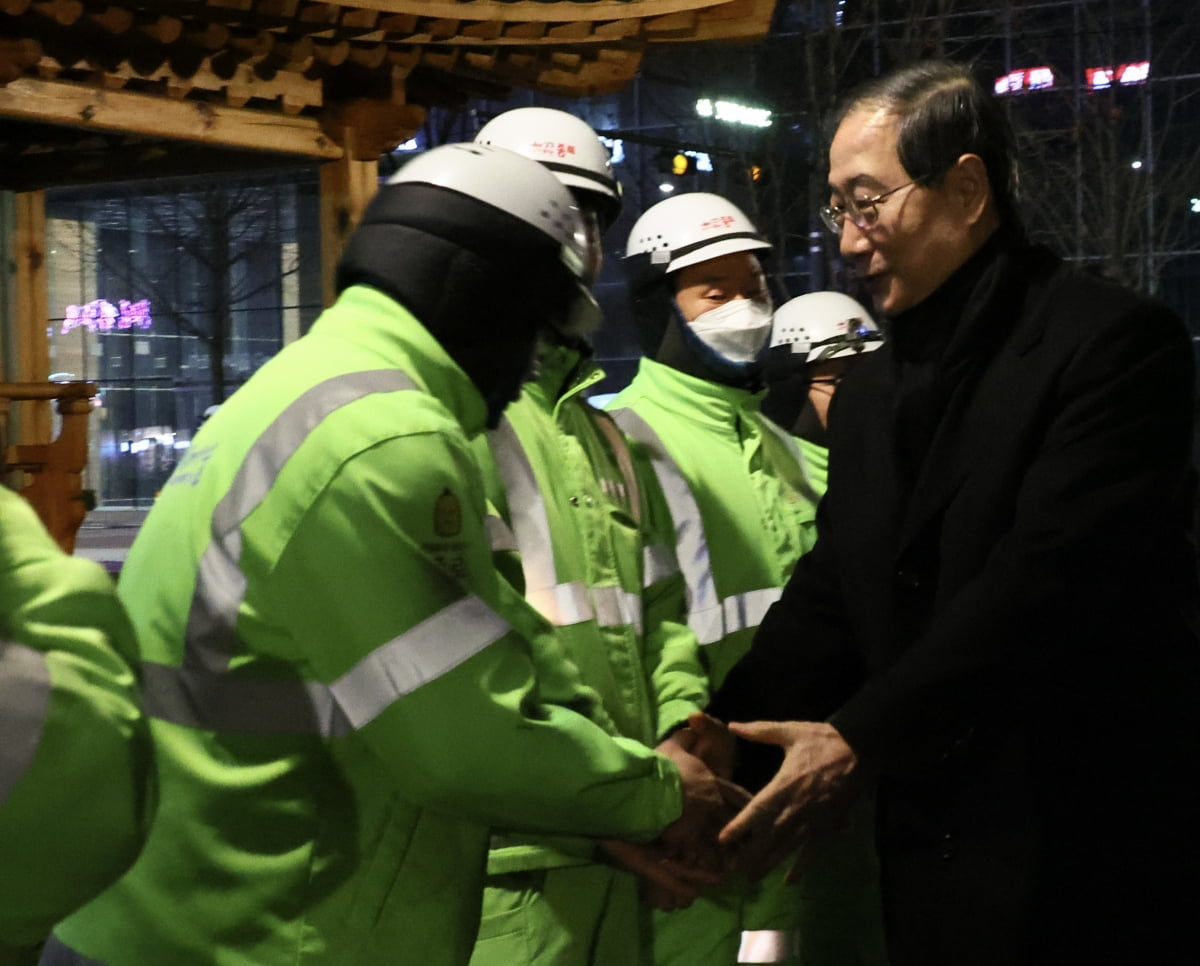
(741, 497)
(75, 791)
(341, 690)
(562, 479)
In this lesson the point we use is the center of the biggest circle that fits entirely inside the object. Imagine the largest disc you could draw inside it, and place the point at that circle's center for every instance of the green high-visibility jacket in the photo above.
(74, 752)
(742, 494)
(594, 562)
(341, 689)
(738, 491)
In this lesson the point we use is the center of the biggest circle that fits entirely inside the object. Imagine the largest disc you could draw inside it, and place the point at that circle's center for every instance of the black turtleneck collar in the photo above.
(922, 333)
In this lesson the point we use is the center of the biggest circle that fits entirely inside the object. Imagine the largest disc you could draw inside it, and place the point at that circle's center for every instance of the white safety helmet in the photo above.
(685, 230)
(824, 325)
(526, 190)
(563, 143)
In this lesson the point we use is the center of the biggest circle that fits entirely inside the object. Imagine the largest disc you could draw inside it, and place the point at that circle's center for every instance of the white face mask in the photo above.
(736, 331)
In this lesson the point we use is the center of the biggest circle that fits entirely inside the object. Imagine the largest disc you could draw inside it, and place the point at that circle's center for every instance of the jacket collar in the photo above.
(562, 372)
(697, 399)
(382, 326)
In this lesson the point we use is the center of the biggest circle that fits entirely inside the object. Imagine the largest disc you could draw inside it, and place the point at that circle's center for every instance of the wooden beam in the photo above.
(347, 187)
(750, 21)
(535, 11)
(76, 105)
(675, 24)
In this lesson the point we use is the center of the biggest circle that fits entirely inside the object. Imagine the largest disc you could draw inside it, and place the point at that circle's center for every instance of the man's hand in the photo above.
(818, 778)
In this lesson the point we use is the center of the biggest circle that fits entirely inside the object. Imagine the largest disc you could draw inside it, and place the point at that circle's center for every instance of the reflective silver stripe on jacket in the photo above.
(563, 603)
(617, 607)
(24, 704)
(211, 636)
(198, 697)
(732, 614)
(658, 563)
(710, 617)
(768, 946)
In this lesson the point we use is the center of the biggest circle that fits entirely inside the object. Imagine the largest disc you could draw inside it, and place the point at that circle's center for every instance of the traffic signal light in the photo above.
(758, 175)
(675, 162)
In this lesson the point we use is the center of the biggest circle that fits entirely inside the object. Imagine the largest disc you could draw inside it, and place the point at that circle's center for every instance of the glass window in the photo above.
(169, 294)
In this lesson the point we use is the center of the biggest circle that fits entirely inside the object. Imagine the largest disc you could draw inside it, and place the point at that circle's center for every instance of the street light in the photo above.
(733, 113)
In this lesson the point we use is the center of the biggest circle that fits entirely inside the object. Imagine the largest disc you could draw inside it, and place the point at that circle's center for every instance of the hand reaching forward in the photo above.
(818, 778)
(709, 740)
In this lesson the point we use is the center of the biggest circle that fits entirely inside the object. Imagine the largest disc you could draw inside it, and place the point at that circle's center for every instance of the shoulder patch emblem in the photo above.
(447, 515)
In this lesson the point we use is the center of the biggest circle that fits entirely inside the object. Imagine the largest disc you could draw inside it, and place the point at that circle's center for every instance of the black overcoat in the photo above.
(1008, 636)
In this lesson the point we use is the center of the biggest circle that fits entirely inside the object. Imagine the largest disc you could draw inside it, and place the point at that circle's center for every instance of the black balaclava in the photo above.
(482, 281)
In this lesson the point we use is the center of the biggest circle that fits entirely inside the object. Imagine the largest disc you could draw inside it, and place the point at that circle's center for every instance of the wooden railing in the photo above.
(49, 474)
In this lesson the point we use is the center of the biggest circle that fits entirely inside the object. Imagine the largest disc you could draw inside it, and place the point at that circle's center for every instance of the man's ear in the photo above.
(969, 187)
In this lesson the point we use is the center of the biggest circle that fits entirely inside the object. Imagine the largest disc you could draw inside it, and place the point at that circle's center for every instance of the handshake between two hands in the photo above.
(723, 828)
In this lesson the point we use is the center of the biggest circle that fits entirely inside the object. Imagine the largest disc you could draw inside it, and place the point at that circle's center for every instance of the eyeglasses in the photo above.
(863, 214)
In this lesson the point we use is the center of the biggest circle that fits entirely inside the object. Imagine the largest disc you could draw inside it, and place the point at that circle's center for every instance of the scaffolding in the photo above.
(1104, 96)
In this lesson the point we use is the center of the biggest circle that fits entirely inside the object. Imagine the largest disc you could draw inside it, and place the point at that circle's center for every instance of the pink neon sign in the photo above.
(100, 315)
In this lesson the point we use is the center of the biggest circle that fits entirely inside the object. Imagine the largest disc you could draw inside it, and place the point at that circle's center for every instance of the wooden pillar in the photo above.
(346, 188)
(30, 313)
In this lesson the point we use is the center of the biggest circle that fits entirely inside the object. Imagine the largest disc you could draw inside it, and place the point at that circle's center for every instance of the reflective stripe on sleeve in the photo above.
(211, 636)
(710, 617)
(429, 650)
(768, 946)
(197, 697)
(24, 704)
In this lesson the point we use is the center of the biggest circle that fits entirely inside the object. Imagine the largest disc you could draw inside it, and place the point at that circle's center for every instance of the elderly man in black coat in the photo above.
(997, 628)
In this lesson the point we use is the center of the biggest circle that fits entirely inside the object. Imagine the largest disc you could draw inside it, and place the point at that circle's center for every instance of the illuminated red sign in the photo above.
(1097, 78)
(1025, 79)
(1102, 78)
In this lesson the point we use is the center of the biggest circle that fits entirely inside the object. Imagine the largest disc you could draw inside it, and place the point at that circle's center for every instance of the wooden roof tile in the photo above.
(319, 66)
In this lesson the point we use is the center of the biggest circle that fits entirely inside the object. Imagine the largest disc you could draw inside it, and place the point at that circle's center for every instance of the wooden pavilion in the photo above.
(90, 87)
